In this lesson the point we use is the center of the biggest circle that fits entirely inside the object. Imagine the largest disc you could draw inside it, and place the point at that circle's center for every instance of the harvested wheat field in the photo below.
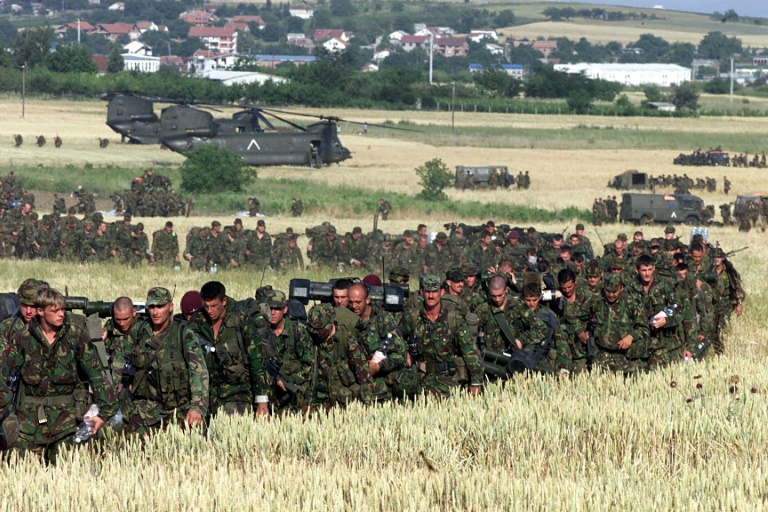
(687, 437)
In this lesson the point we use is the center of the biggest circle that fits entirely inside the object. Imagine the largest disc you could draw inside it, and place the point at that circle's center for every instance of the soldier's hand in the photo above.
(739, 309)
(584, 336)
(281, 386)
(475, 390)
(518, 344)
(194, 418)
(262, 409)
(408, 360)
(625, 342)
(658, 323)
(97, 423)
(374, 367)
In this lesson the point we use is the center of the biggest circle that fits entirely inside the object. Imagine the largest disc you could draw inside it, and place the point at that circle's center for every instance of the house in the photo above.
(239, 25)
(409, 43)
(137, 48)
(396, 36)
(242, 77)
(199, 18)
(218, 39)
(258, 21)
(112, 31)
(150, 25)
(370, 67)
(302, 41)
(304, 12)
(663, 75)
(272, 61)
(760, 60)
(207, 60)
(173, 61)
(478, 35)
(513, 70)
(142, 63)
(661, 105)
(101, 63)
(494, 49)
(380, 56)
(335, 45)
(117, 6)
(323, 34)
(84, 26)
(545, 47)
(451, 46)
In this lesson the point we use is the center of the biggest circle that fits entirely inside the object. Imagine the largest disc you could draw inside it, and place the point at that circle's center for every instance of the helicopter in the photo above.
(183, 128)
(134, 118)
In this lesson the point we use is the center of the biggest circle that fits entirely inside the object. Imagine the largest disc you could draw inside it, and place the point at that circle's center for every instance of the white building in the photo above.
(663, 75)
(242, 77)
(143, 63)
(138, 48)
(304, 12)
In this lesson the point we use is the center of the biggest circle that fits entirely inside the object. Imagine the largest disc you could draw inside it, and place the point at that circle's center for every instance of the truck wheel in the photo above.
(692, 221)
(643, 220)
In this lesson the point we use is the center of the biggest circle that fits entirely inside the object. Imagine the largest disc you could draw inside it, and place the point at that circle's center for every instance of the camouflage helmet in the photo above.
(430, 283)
(399, 275)
(593, 269)
(276, 299)
(612, 282)
(320, 319)
(26, 291)
(158, 296)
(262, 293)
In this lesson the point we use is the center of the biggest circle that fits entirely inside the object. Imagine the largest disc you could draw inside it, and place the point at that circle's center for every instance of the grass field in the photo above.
(595, 443)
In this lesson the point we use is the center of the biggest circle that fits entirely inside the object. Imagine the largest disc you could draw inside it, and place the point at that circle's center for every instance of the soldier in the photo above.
(165, 246)
(59, 205)
(438, 258)
(359, 252)
(289, 257)
(27, 311)
(454, 287)
(440, 334)
(49, 355)
(384, 209)
(171, 381)
(119, 332)
(289, 357)
(259, 247)
(728, 297)
(342, 366)
(725, 213)
(379, 337)
(663, 307)
(297, 207)
(254, 205)
(726, 185)
(570, 310)
(236, 366)
(621, 332)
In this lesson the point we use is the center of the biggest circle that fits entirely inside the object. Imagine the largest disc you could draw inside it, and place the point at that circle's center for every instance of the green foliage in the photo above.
(32, 46)
(653, 93)
(717, 45)
(498, 83)
(685, 96)
(70, 59)
(210, 168)
(718, 86)
(434, 176)
(579, 102)
(115, 62)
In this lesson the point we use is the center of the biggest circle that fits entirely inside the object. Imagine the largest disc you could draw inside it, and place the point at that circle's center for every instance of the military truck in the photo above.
(629, 180)
(645, 209)
(472, 177)
(713, 157)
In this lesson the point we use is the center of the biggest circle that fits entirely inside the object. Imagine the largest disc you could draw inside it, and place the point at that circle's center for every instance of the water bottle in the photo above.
(177, 267)
(116, 420)
(85, 429)
(381, 353)
(214, 268)
(667, 312)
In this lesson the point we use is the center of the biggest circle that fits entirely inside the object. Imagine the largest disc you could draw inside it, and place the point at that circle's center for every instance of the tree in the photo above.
(579, 102)
(717, 86)
(653, 94)
(685, 95)
(497, 82)
(196, 175)
(434, 177)
(115, 62)
(70, 59)
(504, 18)
(32, 46)
(717, 45)
(8, 33)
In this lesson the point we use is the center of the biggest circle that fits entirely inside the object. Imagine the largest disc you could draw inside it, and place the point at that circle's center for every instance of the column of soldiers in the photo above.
(684, 184)
(742, 160)
(547, 305)
(151, 195)
(605, 211)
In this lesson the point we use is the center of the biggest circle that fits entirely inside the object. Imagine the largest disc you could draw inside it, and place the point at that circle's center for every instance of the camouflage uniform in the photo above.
(171, 374)
(371, 333)
(236, 369)
(342, 366)
(165, 247)
(438, 343)
(570, 315)
(52, 399)
(259, 248)
(614, 322)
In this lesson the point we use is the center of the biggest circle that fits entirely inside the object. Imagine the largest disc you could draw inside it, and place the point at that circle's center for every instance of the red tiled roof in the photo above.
(227, 30)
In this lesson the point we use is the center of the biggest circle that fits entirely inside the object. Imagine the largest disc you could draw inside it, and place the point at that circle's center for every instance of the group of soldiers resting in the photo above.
(605, 211)
(742, 160)
(684, 184)
(747, 214)
(151, 195)
(540, 303)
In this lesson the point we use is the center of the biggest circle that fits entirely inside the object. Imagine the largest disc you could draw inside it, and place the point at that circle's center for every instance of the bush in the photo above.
(435, 176)
(210, 168)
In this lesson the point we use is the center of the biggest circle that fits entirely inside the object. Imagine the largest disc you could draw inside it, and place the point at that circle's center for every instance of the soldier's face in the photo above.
(646, 273)
(532, 301)
(276, 315)
(357, 302)
(697, 256)
(160, 315)
(52, 316)
(455, 287)
(431, 298)
(215, 308)
(593, 280)
(123, 319)
(498, 297)
(568, 289)
(613, 296)
(28, 312)
(340, 298)
(471, 281)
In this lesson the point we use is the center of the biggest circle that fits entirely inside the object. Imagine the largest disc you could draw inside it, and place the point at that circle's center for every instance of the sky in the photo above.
(758, 8)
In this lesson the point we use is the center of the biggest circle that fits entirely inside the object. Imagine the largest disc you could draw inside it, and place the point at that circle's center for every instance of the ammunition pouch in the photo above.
(345, 394)
(173, 386)
(444, 367)
(407, 383)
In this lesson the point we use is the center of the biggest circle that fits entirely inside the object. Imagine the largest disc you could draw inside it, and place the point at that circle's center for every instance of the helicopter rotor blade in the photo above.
(337, 119)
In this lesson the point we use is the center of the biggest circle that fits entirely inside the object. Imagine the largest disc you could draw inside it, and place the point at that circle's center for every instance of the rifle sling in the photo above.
(501, 321)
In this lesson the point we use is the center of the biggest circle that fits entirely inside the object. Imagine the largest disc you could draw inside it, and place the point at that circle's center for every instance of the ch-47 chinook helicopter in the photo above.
(183, 128)
(134, 118)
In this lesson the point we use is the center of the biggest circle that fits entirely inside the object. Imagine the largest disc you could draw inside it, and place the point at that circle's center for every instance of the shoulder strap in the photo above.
(101, 350)
(501, 321)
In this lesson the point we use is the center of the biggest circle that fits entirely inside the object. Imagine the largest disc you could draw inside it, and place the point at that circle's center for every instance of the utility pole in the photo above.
(23, 89)
(453, 108)
(731, 78)
(431, 41)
